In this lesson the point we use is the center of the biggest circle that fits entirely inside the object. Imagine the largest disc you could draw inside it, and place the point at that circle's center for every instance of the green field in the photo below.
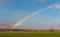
(29, 34)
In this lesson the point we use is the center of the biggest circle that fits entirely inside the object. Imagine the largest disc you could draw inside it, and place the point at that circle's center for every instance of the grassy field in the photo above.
(29, 34)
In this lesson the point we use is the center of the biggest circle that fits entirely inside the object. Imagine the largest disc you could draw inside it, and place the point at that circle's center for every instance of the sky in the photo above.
(12, 11)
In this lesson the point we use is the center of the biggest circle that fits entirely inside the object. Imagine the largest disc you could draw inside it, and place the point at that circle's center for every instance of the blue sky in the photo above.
(12, 11)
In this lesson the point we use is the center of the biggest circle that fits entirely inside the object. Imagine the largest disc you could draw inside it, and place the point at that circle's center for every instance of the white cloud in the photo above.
(57, 21)
(57, 12)
(56, 6)
(55, 24)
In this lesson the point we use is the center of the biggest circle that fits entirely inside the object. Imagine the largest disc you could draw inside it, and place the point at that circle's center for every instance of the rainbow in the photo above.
(33, 14)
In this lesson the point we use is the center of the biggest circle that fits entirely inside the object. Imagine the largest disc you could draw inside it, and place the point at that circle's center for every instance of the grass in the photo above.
(29, 34)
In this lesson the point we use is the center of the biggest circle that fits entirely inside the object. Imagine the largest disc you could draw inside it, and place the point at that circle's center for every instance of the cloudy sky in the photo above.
(12, 11)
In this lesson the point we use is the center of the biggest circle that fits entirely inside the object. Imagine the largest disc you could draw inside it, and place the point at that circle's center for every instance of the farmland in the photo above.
(29, 34)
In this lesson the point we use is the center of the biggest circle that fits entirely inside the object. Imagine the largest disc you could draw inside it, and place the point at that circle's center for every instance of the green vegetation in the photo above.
(29, 34)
